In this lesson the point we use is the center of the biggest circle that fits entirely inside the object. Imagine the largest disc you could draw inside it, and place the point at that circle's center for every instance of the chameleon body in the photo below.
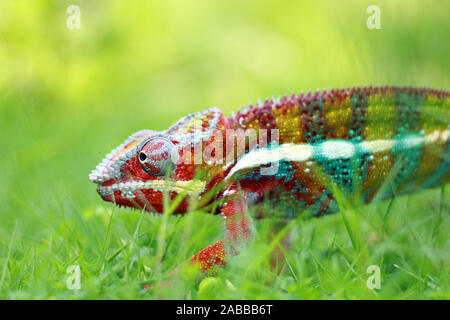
(294, 149)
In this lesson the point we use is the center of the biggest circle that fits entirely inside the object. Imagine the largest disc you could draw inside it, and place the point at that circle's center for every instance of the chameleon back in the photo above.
(360, 139)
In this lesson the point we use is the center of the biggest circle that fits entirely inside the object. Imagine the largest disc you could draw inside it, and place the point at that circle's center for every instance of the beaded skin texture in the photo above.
(375, 142)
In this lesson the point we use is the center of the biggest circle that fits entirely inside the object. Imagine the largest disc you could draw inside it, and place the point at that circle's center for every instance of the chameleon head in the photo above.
(149, 163)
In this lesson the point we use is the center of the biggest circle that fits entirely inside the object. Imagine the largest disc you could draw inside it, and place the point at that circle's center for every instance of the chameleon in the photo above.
(295, 150)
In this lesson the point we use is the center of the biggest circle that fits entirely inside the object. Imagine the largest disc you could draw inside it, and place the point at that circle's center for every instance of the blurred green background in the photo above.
(67, 97)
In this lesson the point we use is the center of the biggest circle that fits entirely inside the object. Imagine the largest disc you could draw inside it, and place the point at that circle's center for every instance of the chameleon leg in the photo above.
(238, 232)
(211, 256)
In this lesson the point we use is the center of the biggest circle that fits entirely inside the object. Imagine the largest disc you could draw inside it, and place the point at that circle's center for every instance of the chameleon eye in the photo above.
(155, 156)
(142, 156)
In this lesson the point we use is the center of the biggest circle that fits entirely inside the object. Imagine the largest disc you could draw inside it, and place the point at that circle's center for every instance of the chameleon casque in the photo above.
(358, 137)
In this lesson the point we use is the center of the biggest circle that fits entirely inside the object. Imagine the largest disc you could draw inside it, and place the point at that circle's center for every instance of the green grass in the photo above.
(119, 251)
(67, 97)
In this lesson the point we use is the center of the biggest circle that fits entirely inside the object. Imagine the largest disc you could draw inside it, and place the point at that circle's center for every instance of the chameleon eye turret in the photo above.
(155, 156)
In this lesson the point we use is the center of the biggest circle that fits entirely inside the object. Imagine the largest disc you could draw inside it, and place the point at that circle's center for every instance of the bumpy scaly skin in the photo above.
(356, 138)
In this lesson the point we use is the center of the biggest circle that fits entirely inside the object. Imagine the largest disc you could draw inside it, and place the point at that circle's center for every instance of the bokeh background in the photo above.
(67, 97)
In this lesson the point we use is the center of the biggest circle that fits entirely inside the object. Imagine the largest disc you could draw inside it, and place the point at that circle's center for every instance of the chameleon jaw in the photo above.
(128, 189)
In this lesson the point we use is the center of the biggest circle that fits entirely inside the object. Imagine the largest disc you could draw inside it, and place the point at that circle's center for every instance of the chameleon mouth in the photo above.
(191, 187)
